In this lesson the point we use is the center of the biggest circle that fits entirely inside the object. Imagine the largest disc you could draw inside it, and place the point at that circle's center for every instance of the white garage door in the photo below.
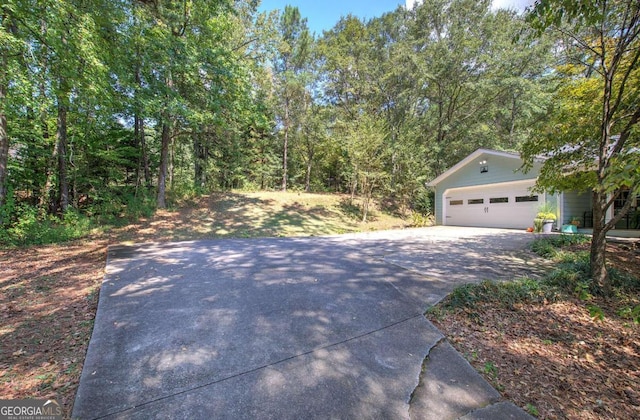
(507, 205)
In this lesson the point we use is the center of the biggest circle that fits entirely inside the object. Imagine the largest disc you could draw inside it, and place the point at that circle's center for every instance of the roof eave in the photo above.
(455, 168)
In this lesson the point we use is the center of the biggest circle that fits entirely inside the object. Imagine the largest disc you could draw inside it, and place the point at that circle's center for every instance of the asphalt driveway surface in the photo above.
(328, 327)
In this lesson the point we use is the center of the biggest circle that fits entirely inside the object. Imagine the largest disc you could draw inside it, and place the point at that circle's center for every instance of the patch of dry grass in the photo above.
(49, 294)
(257, 214)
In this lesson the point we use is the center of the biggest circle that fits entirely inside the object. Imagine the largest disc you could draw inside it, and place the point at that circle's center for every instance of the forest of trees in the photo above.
(105, 104)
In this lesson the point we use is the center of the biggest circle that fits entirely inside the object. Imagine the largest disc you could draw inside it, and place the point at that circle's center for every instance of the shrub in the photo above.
(143, 205)
(549, 247)
(8, 210)
(544, 248)
(421, 220)
(502, 293)
(624, 281)
(632, 313)
(423, 202)
(30, 228)
(570, 277)
(119, 205)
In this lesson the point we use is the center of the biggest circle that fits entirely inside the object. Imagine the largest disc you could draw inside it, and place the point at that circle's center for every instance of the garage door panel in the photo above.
(500, 205)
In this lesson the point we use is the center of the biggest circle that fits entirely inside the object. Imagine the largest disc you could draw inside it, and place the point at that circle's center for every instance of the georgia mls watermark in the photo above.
(31, 409)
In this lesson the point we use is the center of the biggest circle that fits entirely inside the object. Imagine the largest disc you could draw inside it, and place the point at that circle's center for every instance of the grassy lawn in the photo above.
(49, 293)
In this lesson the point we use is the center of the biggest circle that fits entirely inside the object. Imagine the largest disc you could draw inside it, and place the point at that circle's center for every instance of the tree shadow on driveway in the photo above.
(234, 327)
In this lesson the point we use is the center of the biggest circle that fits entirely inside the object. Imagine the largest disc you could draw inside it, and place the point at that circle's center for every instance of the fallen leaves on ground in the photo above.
(49, 294)
(556, 359)
(48, 300)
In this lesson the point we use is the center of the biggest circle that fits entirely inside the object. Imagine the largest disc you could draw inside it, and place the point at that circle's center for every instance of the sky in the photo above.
(324, 14)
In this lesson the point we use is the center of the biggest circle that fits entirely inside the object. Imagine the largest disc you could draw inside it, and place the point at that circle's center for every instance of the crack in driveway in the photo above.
(272, 327)
(423, 369)
(259, 368)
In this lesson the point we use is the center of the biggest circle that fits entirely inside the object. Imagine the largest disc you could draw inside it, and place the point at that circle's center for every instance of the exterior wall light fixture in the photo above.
(483, 166)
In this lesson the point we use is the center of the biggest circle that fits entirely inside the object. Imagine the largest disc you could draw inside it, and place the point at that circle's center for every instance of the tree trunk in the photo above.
(62, 98)
(164, 164)
(597, 258)
(141, 140)
(367, 200)
(354, 184)
(61, 152)
(136, 140)
(142, 172)
(286, 145)
(262, 177)
(199, 162)
(394, 167)
(307, 178)
(164, 148)
(172, 167)
(46, 194)
(197, 165)
(4, 136)
(145, 154)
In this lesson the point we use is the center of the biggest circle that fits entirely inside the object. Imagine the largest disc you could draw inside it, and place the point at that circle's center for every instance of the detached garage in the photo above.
(488, 189)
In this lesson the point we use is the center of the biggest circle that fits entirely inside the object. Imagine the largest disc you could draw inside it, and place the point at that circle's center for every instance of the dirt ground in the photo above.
(556, 360)
(49, 294)
(48, 300)
(553, 357)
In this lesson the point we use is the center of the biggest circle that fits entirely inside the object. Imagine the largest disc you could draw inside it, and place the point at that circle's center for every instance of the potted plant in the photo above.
(576, 221)
(545, 218)
(573, 225)
(537, 225)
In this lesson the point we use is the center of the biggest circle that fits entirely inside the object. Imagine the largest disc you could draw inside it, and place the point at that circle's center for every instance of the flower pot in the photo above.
(547, 226)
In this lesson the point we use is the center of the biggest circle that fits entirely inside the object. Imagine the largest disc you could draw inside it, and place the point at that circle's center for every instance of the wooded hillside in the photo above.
(111, 106)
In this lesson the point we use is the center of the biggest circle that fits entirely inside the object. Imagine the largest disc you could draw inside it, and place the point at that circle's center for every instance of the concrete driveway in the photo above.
(329, 327)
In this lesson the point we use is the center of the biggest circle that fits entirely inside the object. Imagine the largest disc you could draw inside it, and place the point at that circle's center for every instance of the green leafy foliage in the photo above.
(490, 369)
(573, 271)
(589, 140)
(550, 246)
(595, 312)
(506, 294)
(537, 224)
(546, 211)
(421, 220)
(571, 277)
(632, 313)
(111, 104)
(30, 228)
(531, 409)
(423, 202)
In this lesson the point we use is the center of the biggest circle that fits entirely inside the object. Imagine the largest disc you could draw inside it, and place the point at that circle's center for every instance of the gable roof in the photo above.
(468, 159)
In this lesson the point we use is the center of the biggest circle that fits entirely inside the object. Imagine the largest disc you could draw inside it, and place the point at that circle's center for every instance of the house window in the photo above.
(622, 199)
(495, 200)
(455, 202)
(526, 198)
(475, 201)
